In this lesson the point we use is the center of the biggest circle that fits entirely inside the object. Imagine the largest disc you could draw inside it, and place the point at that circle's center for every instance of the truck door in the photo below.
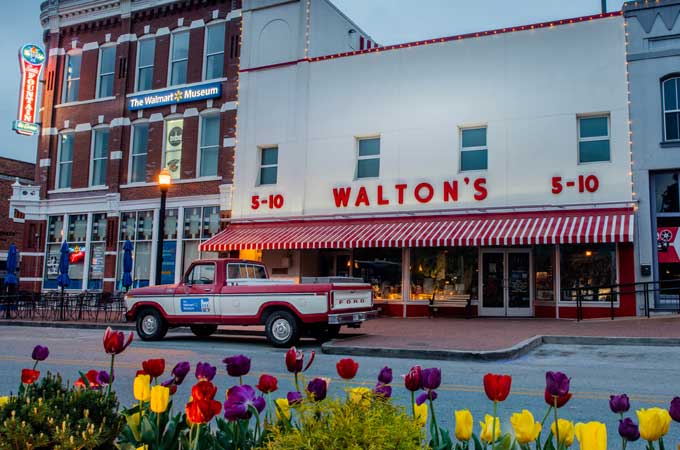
(196, 296)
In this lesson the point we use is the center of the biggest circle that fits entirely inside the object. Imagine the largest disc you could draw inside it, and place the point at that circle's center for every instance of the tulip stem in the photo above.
(413, 404)
(493, 426)
(557, 424)
(434, 424)
(297, 382)
(108, 390)
(158, 429)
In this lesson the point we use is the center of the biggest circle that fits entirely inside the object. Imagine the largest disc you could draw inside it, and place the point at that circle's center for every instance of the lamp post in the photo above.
(164, 180)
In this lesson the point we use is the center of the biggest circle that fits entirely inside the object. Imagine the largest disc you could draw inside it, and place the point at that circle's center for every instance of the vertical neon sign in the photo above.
(31, 59)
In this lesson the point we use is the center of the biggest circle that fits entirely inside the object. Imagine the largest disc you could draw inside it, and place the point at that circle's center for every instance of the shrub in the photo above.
(49, 415)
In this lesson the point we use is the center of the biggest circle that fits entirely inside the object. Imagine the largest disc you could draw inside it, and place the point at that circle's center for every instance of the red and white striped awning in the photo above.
(502, 229)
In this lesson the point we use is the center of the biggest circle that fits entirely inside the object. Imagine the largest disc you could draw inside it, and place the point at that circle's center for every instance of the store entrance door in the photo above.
(506, 283)
(336, 263)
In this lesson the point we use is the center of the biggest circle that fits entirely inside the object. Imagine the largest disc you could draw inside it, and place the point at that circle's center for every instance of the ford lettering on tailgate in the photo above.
(352, 299)
(195, 305)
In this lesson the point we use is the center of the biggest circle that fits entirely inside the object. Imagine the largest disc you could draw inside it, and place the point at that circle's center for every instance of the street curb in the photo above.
(344, 347)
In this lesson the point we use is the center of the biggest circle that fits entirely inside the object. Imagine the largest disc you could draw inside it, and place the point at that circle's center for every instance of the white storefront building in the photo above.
(491, 168)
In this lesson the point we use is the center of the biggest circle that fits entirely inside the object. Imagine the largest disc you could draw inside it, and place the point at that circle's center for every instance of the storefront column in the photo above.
(558, 278)
(405, 278)
(154, 246)
(179, 248)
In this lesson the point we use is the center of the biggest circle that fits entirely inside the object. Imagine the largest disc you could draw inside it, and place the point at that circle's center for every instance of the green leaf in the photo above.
(477, 442)
(149, 431)
(505, 443)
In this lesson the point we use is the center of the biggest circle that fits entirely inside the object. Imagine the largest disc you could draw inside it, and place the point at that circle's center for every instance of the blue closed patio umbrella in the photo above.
(12, 262)
(62, 279)
(127, 265)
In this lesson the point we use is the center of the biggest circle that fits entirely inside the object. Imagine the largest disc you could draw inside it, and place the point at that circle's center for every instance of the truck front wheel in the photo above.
(150, 325)
(282, 329)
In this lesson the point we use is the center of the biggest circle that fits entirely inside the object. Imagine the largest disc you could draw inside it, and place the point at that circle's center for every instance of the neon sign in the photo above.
(31, 59)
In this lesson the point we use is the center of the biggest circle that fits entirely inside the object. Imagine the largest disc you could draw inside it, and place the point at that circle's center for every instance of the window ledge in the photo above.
(669, 144)
(85, 189)
(181, 181)
(85, 102)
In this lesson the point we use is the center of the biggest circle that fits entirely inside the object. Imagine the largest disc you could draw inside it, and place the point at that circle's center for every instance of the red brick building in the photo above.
(130, 87)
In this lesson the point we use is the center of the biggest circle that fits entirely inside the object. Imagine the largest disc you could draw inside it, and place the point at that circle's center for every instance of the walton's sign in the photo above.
(175, 96)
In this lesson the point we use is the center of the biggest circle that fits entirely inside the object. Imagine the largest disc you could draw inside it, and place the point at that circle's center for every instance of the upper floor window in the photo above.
(72, 78)
(474, 153)
(671, 109)
(179, 58)
(65, 166)
(146, 49)
(593, 139)
(269, 165)
(210, 137)
(368, 161)
(100, 156)
(107, 67)
(214, 51)
(140, 148)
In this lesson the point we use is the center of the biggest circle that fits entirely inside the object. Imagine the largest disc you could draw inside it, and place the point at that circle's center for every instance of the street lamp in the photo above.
(164, 180)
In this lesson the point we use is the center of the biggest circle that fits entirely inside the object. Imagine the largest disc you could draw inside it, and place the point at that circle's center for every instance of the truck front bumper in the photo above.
(352, 317)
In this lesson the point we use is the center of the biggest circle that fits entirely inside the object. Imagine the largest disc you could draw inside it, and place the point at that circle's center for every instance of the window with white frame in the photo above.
(65, 164)
(107, 67)
(179, 58)
(200, 224)
(146, 50)
(671, 109)
(209, 145)
(214, 51)
(474, 153)
(100, 156)
(593, 139)
(138, 153)
(95, 279)
(368, 159)
(137, 227)
(72, 78)
(269, 165)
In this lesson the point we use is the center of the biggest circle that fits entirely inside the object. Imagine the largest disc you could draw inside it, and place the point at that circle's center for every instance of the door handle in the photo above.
(207, 289)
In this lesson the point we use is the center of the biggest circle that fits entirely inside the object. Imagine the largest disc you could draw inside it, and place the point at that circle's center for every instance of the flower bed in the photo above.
(46, 413)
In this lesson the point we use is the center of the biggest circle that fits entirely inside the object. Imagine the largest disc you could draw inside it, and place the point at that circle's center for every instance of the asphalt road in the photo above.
(649, 375)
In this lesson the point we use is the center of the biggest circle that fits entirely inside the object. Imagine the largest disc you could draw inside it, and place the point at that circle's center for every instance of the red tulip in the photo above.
(347, 368)
(202, 411)
(203, 390)
(414, 379)
(561, 401)
(267, 384)
(91, 376)
(497, 387)
(140, 372)
(295, 360)
(29, 376)
(154, 367)
(114, 341)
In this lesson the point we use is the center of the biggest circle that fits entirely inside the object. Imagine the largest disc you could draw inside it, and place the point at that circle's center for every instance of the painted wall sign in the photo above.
(583, 183)
(668, 245)
(173, 146)
(31, 59)
(175, 96)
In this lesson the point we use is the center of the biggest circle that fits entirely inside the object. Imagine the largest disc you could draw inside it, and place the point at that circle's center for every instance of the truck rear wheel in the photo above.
(203, 330)
(150, 325)
(282, 329)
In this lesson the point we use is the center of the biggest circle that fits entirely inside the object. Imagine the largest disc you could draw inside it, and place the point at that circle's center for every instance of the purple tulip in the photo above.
(318, 388)
(180, 371)
(557, 384)
(674, 410)
(429, 395)
(294, 398)
(383, 390)
(40, 353)
(240, 399)
(629, 430)
(103, 378)
(385, 375)
(619, 404)
(432, 378)
(238, 365)
(204, 371)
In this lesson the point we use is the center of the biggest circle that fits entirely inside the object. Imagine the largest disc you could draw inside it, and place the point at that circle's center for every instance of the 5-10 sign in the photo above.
(274, 201)
(584, 183)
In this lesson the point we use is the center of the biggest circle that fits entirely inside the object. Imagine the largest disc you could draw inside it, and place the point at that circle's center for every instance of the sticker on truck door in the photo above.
(195, 305)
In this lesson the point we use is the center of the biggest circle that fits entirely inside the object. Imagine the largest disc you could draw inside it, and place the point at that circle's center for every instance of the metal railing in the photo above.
(665, 295)
(55, 306)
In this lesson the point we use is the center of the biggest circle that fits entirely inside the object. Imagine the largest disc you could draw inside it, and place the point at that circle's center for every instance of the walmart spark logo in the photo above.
(179, 96)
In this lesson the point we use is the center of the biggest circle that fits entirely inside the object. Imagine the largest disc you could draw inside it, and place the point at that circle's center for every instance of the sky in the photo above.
(387, 21)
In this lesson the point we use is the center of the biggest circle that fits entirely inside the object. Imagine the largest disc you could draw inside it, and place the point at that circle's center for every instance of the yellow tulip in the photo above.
(654, 423)
(160, 395)
(486, 433)
(3, 401)
(566, 431)
(526, 428)
(142, 388)
(592, 435)
(143, 447)
(464, 424)
(282, 407)
(360, 396)
(421, 414)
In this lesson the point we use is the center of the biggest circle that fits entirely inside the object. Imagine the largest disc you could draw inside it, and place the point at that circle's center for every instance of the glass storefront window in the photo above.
(544, 264)
(128, 222)
(138, 228)
(666, 186)
(592, 267)
(55, 229)
(77, 228)
(95, 278)
(381, 267)
(144, 225)
(199, 225)
(445, 273)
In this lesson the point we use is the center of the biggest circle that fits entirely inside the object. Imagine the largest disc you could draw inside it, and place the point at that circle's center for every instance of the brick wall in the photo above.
(10, 169)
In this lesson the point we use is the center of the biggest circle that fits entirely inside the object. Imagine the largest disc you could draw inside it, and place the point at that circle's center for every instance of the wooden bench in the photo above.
(457, 301)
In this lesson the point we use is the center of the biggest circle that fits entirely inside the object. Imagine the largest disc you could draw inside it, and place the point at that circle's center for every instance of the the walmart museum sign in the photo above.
(175, 96)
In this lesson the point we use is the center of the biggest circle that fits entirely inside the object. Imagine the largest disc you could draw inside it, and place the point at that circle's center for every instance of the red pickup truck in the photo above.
(239, 292)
